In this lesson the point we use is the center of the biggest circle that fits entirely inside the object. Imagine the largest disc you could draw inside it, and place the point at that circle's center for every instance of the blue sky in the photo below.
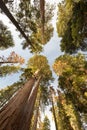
(51, 51)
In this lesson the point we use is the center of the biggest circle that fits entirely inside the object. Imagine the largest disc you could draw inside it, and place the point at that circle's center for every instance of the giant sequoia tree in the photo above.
(16, 105)
(22, 104)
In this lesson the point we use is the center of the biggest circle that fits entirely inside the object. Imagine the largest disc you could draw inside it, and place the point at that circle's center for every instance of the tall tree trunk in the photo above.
(23, 120)
(10, 112)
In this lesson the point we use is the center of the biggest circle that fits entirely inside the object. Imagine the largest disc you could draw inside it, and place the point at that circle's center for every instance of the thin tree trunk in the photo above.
(4, 62)
(42, 12)
(52, 92)
(10, 112)
(54, 114)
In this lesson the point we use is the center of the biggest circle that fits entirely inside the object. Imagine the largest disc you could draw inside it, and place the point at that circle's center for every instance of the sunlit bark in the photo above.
(12, 111)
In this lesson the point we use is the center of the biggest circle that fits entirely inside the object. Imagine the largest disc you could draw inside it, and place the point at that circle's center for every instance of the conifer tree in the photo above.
(46, 124)
(6, 39)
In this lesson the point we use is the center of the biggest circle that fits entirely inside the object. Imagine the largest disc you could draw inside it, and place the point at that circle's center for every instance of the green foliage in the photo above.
(36, 43)
(64, 15)
(72, 113)
(6, 40)
(27, 73)
(72, 78)
(71, 25)
(46, 124)
(7, 70)
(29, 18)
(25, 16)
(63, 118)
(39, 62)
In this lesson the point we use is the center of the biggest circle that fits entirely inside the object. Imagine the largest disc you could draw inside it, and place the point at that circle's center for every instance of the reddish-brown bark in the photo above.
(24, 122)
(42, 12)
(13, 110)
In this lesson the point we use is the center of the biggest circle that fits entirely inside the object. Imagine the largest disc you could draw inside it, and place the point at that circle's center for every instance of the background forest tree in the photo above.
(46, 124)
(71, 69)
(72, 82)
(72, 24)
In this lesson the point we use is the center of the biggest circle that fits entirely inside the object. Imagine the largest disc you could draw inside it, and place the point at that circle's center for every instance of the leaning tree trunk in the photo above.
(24, 122)
(15, 106)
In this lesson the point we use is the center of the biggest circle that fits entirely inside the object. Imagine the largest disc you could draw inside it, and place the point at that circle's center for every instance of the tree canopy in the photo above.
(71, 25)
(40, 62)
(29, 16)
(72, 78)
